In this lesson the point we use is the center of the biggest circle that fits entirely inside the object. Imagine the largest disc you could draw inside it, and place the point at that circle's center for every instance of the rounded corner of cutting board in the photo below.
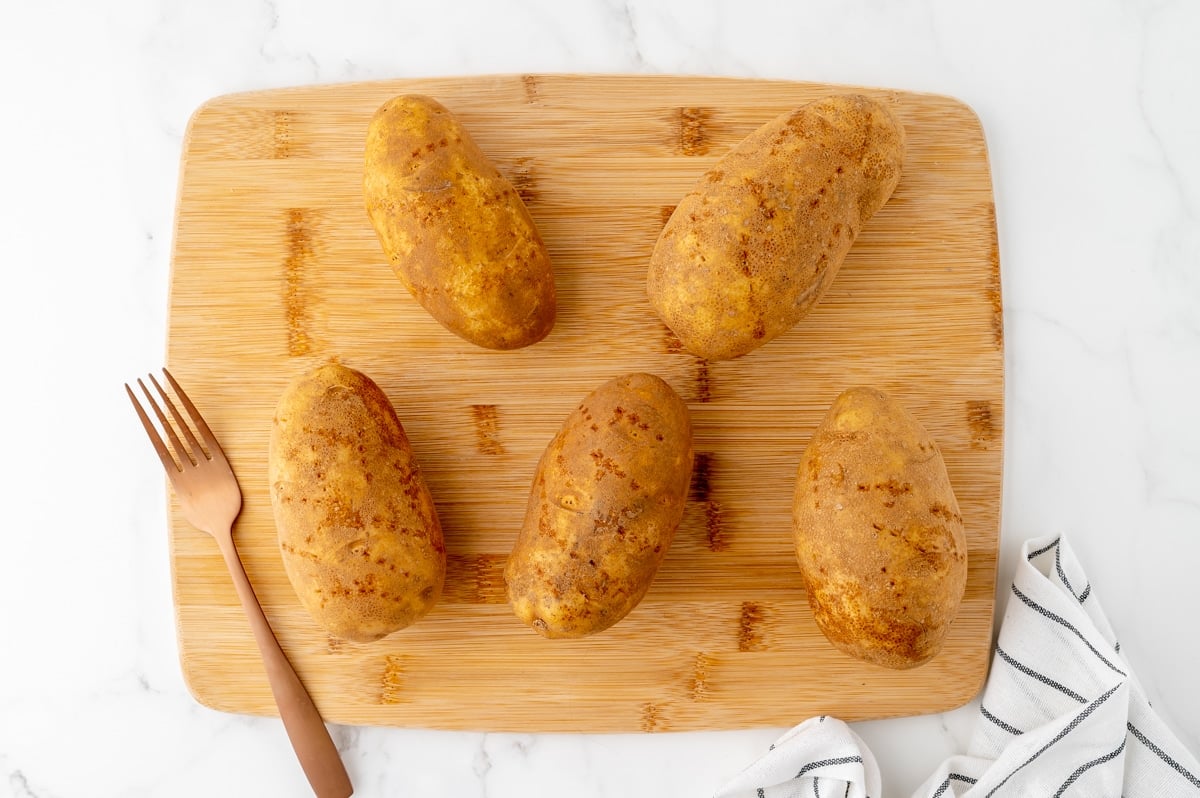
(969, 118)
(199, 116)
(202, 690)
(974, 677)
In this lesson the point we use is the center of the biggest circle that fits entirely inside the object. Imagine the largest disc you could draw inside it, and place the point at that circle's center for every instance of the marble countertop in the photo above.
(1092, 122)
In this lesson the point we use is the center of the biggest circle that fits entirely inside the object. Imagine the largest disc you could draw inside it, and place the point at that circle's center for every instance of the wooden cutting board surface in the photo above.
(276, 269)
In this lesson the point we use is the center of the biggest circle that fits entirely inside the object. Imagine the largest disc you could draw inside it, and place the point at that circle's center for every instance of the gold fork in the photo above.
(211, 499)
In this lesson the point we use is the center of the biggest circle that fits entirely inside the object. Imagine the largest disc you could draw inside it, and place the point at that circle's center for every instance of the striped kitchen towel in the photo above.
(1062, 713)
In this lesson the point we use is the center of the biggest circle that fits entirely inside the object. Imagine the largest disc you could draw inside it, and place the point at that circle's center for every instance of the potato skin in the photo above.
(608, 494)
(358, 531)
(454, 229)
(757, 242)
(878, 533)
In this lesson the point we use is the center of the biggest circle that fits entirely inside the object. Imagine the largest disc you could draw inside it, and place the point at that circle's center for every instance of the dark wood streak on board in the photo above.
(693, 135)
(298, 236)
(981, 423)
(524, 179)
(391, 683)
(486, 419)
(750, 635)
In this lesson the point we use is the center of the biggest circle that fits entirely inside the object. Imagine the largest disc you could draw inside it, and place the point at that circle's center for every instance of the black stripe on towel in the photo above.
(1086, 766)
(1087, 589)
(1066, 624)
(1141, 738)
(1046, 680)
(1010, 729)
(1070, 728)
(1043, 549)
(1063, 574)
(945, 785)
(843, 760)
(761, 794)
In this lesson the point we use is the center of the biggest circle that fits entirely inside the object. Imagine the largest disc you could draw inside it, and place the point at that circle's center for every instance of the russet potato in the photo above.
(608, 494)
(878, 533)
(749, 251)
(454, 229)
(358, 531)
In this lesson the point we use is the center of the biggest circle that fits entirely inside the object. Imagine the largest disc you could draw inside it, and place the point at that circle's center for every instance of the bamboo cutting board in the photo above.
(276, 269)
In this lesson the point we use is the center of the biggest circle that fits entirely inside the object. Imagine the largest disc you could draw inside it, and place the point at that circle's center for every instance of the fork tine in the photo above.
(207, 434)
(194, 444)
(185, 457)
(160, 447)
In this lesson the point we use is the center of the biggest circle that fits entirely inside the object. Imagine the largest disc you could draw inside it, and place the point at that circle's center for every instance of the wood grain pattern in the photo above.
(276, 269)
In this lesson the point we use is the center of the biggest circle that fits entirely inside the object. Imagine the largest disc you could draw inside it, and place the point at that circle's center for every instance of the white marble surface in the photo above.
(1092, 111)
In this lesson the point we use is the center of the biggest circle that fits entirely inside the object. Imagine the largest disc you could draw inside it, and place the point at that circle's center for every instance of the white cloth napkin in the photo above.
(1062, 713)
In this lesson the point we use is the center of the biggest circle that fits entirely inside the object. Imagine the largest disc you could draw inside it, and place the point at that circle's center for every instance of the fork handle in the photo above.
(314, 747)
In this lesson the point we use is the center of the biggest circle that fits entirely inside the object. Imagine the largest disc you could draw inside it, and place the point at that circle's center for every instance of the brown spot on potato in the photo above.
(650, 716)
(308, 555)
(391, 683)
(606, 465)
(487, 429)
(892, 487)
(980, 423)
(524, 179)
(693, 138)
(750, 637)
(939, 510)
(299, 257)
